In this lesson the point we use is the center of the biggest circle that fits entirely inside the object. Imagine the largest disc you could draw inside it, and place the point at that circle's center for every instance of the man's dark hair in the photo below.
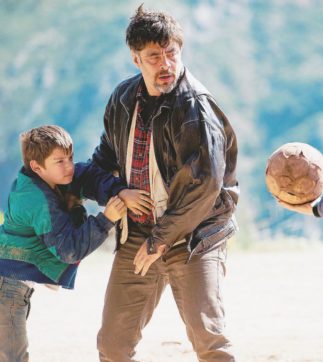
(157, 27)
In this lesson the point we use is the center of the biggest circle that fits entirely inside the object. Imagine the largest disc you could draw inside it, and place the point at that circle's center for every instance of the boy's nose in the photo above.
(70, 165)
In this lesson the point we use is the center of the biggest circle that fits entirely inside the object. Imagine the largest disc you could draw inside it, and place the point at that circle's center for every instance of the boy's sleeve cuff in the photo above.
(117, 188)
(104, 222)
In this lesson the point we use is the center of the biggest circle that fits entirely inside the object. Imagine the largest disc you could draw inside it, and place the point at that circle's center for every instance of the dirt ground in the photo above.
(274, 306)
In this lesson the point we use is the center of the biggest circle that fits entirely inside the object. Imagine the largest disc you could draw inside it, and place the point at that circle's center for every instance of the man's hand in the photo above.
(138, 201)
(115, 209)
(143, 260)
(302, 209)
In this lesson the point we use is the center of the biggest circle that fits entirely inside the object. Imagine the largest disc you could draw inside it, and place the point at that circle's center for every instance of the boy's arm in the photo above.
(92, 182)
(67, 242)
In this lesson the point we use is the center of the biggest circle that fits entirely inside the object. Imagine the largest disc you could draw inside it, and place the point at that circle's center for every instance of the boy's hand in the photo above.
(138, 201)
(72, 200)
(115, 209)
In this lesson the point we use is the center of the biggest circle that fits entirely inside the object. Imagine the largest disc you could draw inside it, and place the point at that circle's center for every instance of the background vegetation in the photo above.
(262, 60)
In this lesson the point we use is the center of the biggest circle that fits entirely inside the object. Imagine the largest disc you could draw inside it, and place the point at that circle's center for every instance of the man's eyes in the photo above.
(169, 54)
(154, 56)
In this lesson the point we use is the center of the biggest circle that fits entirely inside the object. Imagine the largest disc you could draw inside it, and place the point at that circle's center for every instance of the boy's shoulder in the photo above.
(27, 188)
(28, 195)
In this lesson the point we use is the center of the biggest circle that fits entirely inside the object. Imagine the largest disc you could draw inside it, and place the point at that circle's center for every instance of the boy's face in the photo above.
(58, 168)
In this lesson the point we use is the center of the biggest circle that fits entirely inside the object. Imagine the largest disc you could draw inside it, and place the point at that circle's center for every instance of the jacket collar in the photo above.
(186, 88)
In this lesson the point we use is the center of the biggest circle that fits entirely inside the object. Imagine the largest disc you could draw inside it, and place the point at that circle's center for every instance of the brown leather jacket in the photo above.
(196, 152)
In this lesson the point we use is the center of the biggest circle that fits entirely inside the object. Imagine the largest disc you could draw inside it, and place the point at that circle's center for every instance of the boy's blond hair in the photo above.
(38, 143)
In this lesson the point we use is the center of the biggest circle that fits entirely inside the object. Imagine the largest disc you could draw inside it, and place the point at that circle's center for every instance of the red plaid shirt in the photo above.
(139, 174)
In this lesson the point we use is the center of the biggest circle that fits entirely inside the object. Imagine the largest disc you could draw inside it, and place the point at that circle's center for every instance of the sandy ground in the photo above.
(274, 305)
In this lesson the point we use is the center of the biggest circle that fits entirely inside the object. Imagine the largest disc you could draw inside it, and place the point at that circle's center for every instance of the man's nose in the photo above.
(165, 62)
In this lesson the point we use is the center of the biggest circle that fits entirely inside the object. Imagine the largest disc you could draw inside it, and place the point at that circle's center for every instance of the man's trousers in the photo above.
(130, 300)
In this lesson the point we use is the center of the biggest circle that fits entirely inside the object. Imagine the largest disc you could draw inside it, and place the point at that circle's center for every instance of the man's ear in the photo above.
(135, 58)
(34, 166)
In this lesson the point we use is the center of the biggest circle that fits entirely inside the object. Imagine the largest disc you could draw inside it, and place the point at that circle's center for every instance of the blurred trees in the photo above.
(262, 61)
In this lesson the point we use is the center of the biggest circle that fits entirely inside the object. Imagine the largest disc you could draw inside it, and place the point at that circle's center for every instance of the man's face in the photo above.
(160, 67)
(58, 168)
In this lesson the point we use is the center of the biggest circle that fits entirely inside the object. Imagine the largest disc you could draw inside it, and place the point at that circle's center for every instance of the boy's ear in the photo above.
(135, 58)
(34, 166)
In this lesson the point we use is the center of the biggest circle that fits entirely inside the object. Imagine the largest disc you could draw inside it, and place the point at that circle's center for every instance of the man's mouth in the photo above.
(166, 77)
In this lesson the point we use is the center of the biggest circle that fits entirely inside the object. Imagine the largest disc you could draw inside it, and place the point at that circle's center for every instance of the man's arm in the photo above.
(201, 150)
(104, 155)
(201, 147)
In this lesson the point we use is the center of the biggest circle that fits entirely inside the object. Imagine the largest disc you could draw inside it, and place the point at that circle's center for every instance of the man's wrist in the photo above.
(152, 246)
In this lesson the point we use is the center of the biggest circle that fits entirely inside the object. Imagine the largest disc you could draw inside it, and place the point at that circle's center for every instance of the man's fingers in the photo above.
(147, 200)
(147, 203)
(141, 254)
(144, 192)
(145, 268)
(142, 209)
(135, 211)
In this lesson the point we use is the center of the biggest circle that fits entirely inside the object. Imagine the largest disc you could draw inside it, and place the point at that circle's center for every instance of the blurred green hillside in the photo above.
(263, 61)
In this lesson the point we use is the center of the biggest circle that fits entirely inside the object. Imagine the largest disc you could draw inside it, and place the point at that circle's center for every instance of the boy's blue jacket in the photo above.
(40, 239)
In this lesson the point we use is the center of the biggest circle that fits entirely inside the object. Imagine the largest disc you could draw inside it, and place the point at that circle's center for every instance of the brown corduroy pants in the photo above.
(131, 299)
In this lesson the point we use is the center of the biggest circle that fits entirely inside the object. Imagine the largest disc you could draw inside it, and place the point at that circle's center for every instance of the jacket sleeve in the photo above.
(68, 243)
(318, 207)
(105, 155)
(92, 182)
(200, 145)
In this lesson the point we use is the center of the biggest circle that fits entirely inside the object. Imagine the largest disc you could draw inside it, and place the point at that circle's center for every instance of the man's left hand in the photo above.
(143, 260)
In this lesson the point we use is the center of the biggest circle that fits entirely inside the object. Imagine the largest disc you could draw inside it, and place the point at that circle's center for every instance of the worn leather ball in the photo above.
(294, 173)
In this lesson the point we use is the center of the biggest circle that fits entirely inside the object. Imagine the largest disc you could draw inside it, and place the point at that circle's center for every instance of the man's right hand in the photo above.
(138, 201)
(115, 209)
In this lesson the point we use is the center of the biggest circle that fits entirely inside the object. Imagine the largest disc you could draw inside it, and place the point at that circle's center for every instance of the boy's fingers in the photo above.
(111, 200)
(122, 208)
(117, 201)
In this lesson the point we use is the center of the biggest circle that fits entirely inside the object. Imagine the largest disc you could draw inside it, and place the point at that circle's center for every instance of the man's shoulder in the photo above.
(192, 93)
(192, 87)
(127, 84)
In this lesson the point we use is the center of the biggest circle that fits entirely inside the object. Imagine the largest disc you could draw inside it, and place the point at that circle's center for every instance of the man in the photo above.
(314, 208)
(165, 134)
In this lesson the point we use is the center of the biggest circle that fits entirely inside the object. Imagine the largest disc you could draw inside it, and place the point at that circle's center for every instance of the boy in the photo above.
(46, 231)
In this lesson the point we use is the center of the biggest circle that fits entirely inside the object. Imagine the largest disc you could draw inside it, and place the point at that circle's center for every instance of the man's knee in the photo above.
(114, 348)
